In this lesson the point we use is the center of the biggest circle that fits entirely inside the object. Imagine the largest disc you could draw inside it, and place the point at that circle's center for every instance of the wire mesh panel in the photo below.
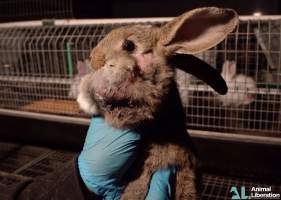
(47, 164)
(249, 60)
(13, 156)
(15, 10)
(38, 65)
(41, 66)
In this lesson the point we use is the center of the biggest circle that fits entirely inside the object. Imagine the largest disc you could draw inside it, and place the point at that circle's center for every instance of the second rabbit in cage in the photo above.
(83, 67)
(241, 88)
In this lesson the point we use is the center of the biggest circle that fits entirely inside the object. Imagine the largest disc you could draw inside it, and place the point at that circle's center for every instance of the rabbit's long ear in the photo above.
(229, 69)
(197, 30)
(81, 68)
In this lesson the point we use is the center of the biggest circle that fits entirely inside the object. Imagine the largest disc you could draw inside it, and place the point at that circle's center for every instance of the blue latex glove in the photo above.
(160, 185)
(106, 156)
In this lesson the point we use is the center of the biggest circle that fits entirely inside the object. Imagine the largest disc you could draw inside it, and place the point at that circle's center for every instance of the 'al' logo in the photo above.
(235, 193)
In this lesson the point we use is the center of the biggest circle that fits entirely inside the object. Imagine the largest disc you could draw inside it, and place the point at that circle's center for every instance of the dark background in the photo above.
(163, 8)
(21, 10)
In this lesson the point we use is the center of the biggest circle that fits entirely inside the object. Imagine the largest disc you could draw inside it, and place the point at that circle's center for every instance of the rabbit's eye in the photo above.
(128, 45)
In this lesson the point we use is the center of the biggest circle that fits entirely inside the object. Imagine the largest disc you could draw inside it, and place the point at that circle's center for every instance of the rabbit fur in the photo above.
(241, 87)
(132, 86)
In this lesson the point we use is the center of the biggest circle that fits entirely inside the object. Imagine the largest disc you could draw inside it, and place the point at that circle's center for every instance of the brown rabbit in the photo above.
(132, 85)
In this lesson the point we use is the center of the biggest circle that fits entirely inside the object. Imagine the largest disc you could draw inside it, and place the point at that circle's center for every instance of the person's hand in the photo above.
(160, 187)
(106, 156)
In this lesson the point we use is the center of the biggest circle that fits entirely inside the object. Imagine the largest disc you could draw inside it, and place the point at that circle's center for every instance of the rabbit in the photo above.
(132, 85)
(83, 67)
(239, 86)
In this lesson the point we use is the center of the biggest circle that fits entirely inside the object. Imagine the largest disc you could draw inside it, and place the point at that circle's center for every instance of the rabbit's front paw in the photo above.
(87, 105)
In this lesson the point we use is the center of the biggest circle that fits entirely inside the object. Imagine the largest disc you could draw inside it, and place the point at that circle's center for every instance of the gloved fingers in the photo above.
(107, 152)
(106, 156)
(108, 159)
(101, 134)
(161, 184)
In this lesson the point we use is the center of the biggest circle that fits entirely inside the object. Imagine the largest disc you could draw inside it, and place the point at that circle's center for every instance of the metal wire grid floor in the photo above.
(30, 161)
(19, 162)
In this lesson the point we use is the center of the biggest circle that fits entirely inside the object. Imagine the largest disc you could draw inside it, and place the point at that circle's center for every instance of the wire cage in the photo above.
(249, 60)
(40, 69)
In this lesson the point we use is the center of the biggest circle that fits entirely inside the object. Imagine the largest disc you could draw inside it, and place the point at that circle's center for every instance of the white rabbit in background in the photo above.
(241, 88)
(83, 67)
